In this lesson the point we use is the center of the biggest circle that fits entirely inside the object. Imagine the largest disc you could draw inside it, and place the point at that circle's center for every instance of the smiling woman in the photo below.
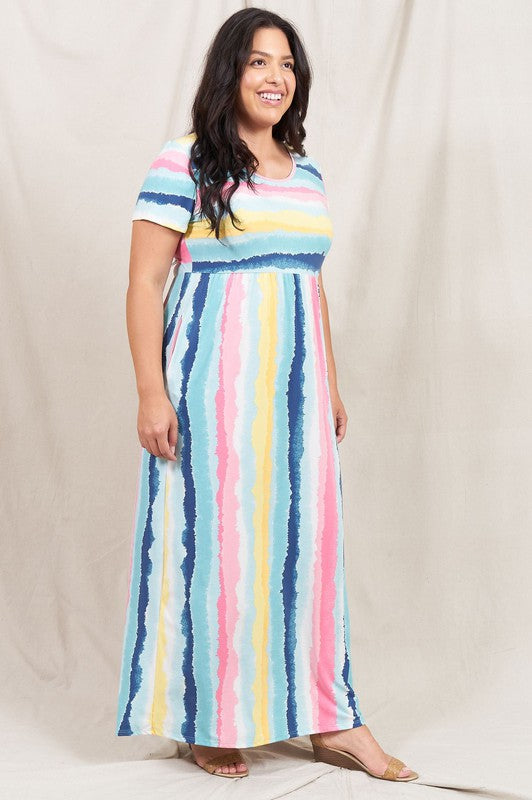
(277, 97)
(237, 624)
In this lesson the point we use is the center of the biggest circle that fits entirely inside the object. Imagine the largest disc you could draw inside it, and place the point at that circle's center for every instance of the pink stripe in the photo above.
(294, 192)
(173, 341)
(183, 253)
(316, 639)
(324, 625)
(228, 473)
(173, 160)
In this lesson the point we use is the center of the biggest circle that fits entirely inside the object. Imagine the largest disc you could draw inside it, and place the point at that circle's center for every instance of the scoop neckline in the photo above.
(280, 180)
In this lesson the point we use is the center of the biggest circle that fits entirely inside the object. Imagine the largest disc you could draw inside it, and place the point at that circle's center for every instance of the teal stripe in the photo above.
(246, 246)
(205, 590)
(279, 512)
(166, 181)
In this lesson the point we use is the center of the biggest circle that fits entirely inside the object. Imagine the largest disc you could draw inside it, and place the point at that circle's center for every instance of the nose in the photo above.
(274, 75)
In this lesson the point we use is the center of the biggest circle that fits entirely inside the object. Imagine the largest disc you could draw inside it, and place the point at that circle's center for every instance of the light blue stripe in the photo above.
(247, 246)
(170, 216)
(205, 588)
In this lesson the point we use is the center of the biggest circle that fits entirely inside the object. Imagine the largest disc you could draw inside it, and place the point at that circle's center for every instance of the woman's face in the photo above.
(269, 69)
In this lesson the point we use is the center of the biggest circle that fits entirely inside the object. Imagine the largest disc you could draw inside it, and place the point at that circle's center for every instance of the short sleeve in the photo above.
(319, 173)
(168, 193)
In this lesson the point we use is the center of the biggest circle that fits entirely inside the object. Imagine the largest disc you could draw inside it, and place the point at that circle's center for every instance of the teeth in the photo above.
(270, 96)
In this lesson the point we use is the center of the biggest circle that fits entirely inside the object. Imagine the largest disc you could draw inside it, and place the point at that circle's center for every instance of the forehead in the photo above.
(271, 42)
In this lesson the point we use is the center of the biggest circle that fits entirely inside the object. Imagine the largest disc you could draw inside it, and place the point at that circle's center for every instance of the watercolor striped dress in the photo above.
(237, 623)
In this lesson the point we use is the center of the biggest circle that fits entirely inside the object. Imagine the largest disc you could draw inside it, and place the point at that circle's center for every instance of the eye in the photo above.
(286, 63)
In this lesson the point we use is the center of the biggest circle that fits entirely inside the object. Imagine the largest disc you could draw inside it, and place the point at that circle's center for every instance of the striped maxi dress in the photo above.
(237, 624)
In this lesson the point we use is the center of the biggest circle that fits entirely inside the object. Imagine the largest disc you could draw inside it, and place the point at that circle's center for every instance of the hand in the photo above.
(157, 426)
(339, 415)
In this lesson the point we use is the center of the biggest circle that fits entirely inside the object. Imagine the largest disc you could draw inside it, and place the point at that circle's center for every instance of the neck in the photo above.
(260, 141)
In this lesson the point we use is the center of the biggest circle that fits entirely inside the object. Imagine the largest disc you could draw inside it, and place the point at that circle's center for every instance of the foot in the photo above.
(360, 742)
(202, 754)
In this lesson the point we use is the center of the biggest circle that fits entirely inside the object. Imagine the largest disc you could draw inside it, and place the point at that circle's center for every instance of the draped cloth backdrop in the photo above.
(421, 119)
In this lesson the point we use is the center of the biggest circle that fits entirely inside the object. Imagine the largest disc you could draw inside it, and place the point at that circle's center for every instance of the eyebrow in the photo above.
(262, 53)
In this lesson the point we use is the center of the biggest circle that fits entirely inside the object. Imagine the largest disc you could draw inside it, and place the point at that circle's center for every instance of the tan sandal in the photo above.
(340, 758)
(221, 761)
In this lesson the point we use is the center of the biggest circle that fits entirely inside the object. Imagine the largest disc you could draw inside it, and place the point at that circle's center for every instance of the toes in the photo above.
(232, 768)
(226, 768)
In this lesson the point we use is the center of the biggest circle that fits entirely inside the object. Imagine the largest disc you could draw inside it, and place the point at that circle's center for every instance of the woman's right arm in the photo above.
(152, 250)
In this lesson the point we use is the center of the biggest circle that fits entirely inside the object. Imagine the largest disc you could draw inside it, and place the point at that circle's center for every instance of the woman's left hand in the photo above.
(339, 415)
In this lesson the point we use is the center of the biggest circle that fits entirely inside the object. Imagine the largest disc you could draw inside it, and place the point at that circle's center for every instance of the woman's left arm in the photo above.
(338, 409)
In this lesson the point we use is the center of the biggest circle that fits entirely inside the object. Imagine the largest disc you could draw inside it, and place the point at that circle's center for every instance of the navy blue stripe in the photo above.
(350, 692)
(168, 199)
(279, 261)
(345, 671)
(311, 169)
(295, 454)
(135, 678)
(188, 727)
(171, 325)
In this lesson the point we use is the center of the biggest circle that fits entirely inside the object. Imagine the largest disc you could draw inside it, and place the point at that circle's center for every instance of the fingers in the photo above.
(172, 434)
(157, 427)
(341, 427)
(159, 447)
(162, 444)
(165, 449)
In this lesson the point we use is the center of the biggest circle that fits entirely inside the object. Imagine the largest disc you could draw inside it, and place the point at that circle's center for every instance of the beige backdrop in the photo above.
(421, 118)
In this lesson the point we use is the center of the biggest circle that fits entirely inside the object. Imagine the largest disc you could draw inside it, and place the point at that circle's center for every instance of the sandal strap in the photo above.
(393, 769)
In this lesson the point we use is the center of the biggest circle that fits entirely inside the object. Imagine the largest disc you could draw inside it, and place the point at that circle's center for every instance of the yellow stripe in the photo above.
(261, 436)
(159, 707)
(264, 221)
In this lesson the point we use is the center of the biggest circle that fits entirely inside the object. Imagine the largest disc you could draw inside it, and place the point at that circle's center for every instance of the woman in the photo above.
(237, 628)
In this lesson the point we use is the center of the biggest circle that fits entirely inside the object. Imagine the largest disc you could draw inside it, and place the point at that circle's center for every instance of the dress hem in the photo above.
(214, 743)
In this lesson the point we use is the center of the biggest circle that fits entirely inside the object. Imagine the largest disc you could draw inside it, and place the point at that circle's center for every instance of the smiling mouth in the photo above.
(271, 98)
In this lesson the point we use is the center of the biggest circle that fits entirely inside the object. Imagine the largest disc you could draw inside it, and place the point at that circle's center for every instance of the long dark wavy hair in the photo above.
(218, 152)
